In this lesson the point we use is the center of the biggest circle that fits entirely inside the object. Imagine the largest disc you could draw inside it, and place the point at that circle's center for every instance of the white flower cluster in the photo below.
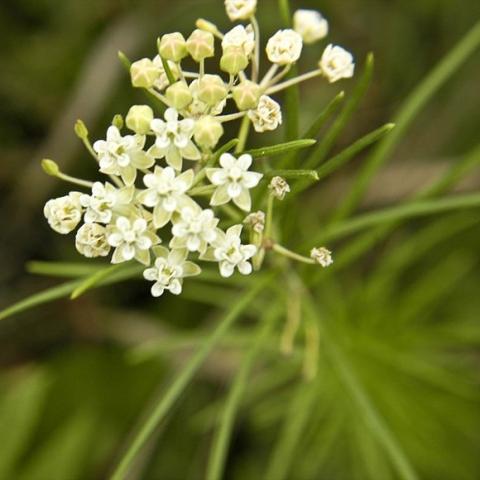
(166, 183)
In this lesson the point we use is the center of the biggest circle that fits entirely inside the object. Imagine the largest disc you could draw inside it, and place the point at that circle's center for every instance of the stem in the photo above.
(243, 135)
(294, 256)
(230, 117)
(277, 78)
(269, 217)
(75, 181)
(268, 76)
(312, 341)
(294, 81)
(176, 389)
(256, 58)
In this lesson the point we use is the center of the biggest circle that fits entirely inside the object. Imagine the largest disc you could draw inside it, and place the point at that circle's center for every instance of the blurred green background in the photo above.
(407, 311)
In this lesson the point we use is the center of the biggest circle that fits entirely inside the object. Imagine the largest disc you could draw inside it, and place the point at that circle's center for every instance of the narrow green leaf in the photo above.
(281, 148)
(405, 117)
(174, 391)
(292, 108)
(410, 210)
(219, 451)
(312, 174)
(168, 71)
(62, 269)
(328, 141)
(125, 61)
(65, 290)
(95, 279)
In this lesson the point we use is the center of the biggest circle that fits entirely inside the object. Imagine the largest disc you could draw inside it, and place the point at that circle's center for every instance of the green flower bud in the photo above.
(179, 95)
(211, 89)
(80, 129)
(139, 118)
(118, 121)
(233, 60)
(173, 47)
(200, 45)
(144, 73)
(50, 167)
(208, 132)
(246, 95)
(207, 26)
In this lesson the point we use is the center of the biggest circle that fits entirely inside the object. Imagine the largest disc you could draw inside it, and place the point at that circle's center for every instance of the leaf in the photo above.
(281, 148)
(407, 114)
(326, 144)
(95, 279)
(216, 464)
(175, 390)
(312, 174)
(62, 269)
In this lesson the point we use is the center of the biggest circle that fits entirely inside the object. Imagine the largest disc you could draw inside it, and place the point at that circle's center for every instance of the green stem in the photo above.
(292, 255)
(243, 134)
(183, 379)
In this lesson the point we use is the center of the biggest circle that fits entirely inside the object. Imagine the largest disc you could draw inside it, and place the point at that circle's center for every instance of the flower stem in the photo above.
(256, 60)
(269, 217)
(243, 134)
(75, 181)
(292, 255)
(294, 81)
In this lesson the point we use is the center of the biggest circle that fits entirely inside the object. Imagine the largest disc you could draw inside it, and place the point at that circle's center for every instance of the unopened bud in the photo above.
(211, 89)
(144, 73)
(279, 187)
(179, 95)
(233, 60)
(50, 167)
(246, 95)
(118, 121)
(80, 129)
(207, 26)
(200, 45)
(208, 132)
(256, 221)
(139, 118)
(173, 47)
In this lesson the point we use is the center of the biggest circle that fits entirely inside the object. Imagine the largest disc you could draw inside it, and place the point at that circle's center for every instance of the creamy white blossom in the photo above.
(240, 37)
(336, 63)
(122, 156)
(229, 252)
(169, 270)
(285, 47)
(105, 198)
(193, 229)
(131, 238)
(173, 139)
(322, 256)
(64, 213)
(279, 187)
(267, 116)
(91, 240)
(165, 193)
(240, 9)
(310, 24)
(233, 181)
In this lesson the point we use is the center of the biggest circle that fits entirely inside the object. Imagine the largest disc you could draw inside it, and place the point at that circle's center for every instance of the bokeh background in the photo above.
(70, 393)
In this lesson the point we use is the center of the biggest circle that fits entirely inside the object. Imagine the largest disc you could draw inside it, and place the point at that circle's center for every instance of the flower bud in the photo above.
(50, 167)
(173, 47)
(322, 256)
(336, 63)
(144, 73)
(246, 95)
(267, 115)
(200, 45)
(91, 240)
(117, 121)
(208, 132)
(285, 47)
(207, 26)
(179, 95)
(310, 25)
(139, 118)
(240, 9)
(80, 129)
(233, 60)
(279, 187)
(211, 89)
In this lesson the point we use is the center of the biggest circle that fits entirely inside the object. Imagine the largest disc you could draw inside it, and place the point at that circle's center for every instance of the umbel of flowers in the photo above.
(169, 195)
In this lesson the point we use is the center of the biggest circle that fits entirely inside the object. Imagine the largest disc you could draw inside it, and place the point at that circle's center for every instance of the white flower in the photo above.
(240, 37)
(240, 9)
(173, 139)
(230, 253)
(169, 270)
(322, 256)
(105, 198)
(284, 47)
(256, 220)
(91, 240)
(310, 25)
(162, 82)
(131, 238)
(166, 193)
(336, 63)
(194, 229)
(233, 181)
(122, 155)
(279, 187)
(64, 213)
(198, 108)
(267, 115)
